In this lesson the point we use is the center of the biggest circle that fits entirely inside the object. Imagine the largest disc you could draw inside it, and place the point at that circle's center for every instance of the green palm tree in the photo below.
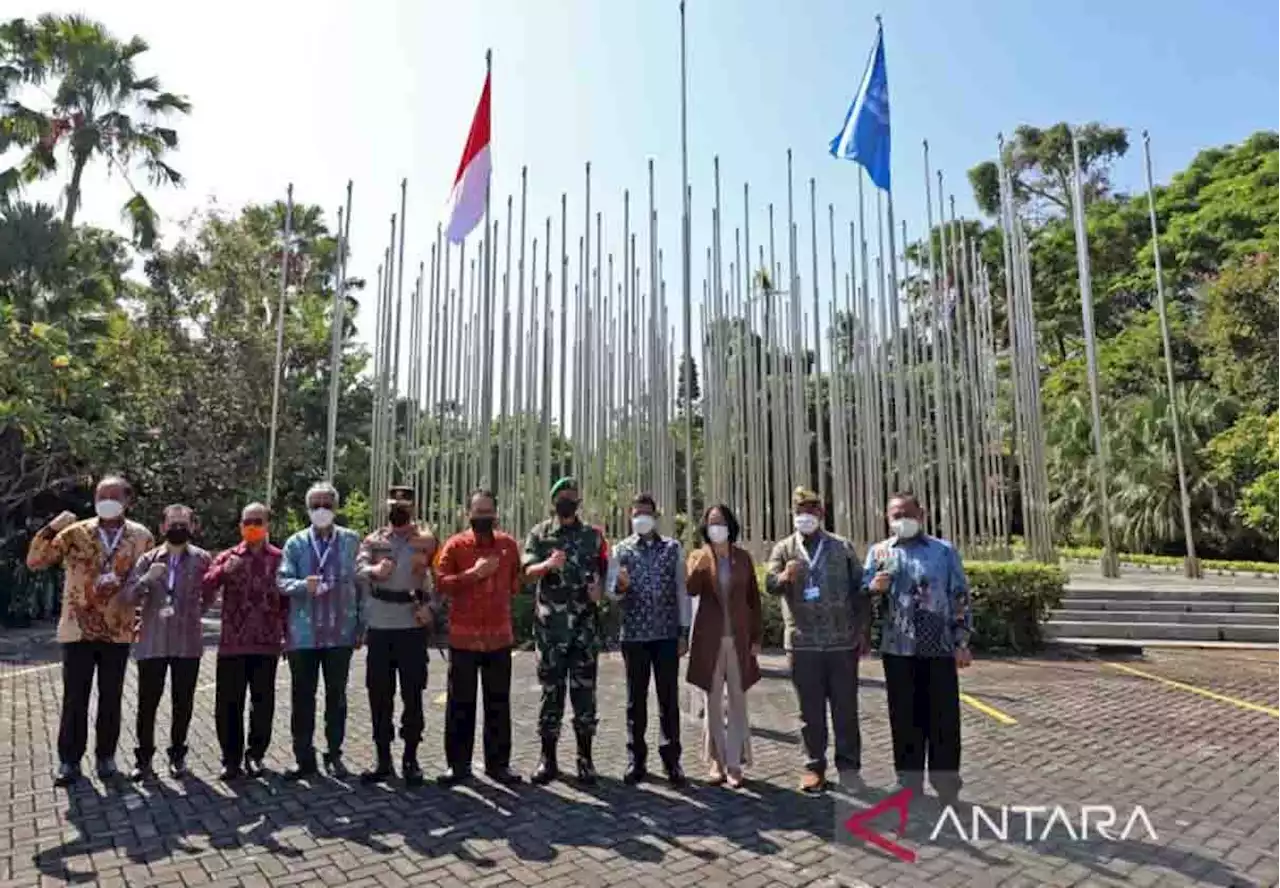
(97, 107)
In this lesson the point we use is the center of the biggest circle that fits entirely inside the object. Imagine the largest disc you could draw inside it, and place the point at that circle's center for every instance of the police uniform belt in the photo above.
(396, 596)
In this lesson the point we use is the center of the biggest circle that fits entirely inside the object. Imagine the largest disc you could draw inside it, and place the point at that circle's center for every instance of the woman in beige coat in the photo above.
(725, 642)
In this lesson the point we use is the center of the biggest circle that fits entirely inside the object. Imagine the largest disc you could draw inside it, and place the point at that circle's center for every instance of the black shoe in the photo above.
(380, 772)
(675, 775)
(503, 775)
(67, 774)
(586, 770)
(301, 771)
(230, 772)
(178, 767)
(412, 771)
(547, 769)
(334, 766)
(452, 776)
(107, 768)
(253, 766)
(143, 771)
(634, 774)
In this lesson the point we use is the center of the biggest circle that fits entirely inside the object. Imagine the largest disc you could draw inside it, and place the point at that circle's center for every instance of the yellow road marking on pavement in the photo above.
(989, 711)
(1203, 692)
(30, 670)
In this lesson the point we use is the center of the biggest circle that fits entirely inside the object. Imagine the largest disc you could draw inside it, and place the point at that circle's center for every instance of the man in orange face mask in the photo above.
(253, 624)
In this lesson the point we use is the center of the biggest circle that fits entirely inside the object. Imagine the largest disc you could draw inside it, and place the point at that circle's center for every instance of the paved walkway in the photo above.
(1189, 736)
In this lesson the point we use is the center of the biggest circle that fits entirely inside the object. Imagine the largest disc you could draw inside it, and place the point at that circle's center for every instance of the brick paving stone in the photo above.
(1204, 771)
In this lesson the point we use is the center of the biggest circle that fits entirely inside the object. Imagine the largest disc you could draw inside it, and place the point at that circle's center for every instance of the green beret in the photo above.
(568, 482)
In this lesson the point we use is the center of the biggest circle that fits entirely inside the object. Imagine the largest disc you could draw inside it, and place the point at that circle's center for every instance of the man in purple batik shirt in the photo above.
(167, 586)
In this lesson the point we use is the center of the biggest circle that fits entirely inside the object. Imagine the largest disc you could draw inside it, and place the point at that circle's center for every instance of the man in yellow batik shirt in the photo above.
(96, 627)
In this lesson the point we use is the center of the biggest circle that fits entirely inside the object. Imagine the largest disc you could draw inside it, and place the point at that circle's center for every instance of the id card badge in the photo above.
(105, 579)
(812, 593)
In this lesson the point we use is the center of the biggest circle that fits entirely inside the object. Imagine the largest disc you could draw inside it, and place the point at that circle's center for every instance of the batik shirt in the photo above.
(180, 634)
(87, 552)
(655, 604)
(331, 619)
(254, 614)
(926, 610)
(826, 608)
(561, 603)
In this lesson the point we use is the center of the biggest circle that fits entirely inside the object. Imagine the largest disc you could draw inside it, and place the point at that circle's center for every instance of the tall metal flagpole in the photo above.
(1110, 566)
(1191, 564)
(285, 251)
(486, 374)
(685, 272)
(339, 321)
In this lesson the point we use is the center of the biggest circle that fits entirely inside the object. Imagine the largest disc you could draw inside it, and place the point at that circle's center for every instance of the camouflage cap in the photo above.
(568, 482)
(804, 496)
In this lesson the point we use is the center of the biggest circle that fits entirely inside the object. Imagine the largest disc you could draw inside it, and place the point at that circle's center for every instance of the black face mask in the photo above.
(483, 524)
(401, 515)
(566, 508)
(177, 535)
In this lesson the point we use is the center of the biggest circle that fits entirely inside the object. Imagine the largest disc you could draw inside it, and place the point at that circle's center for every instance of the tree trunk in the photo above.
(80, 161)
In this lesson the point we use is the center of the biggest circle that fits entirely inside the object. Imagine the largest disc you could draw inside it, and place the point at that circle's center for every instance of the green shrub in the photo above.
(1011, 602)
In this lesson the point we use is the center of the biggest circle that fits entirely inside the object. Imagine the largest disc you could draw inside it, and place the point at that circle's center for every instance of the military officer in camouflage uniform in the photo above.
(567, 559)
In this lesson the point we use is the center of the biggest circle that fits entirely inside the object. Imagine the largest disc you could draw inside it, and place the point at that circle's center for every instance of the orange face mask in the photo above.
(253, 533)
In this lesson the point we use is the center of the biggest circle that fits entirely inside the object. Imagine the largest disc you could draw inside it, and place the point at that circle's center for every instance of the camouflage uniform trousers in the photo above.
(568, 652)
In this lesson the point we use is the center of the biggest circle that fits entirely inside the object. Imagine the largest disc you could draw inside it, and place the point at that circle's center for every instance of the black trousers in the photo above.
(396, 654)
(467, 669)
(924, 717)
(239, 675)
(182, 672)
(305, 667)
(80, 660)
(662, 660)
(822, 679)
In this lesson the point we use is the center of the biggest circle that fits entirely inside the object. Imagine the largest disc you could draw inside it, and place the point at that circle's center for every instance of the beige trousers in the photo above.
(727, 740)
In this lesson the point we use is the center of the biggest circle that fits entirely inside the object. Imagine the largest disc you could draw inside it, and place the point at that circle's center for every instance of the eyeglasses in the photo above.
(252, 522)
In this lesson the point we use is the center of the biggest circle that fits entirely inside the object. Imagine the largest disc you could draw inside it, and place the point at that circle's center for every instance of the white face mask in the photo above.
(718, 533)
(806, 524)
(109, 510)
(904, 528)
(643, 524)
(322, 518)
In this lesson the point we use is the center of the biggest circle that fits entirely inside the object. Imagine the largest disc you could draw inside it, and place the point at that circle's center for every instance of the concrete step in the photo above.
(1078, 629)
(1116, 592)
(1128, 645)
(1204, 618)
(1185, 606)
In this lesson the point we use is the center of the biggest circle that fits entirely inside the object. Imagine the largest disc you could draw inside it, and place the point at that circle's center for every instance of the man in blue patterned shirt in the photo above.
(647, 578)
(319, 578)
(919, 586)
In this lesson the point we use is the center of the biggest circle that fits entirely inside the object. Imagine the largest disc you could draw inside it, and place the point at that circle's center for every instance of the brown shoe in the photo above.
(715, 776)
(812, 782)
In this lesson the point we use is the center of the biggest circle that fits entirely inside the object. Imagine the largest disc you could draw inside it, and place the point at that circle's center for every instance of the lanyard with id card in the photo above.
(812, 589)
(106, 574)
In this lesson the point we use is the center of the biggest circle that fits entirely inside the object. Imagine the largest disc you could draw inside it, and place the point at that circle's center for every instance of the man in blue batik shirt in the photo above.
(918, 584)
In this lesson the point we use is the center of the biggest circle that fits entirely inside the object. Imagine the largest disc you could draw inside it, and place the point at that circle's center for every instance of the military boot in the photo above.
(586, 770)
(547, 769)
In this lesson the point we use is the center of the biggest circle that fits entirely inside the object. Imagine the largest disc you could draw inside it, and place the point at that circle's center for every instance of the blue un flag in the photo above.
(864, 138)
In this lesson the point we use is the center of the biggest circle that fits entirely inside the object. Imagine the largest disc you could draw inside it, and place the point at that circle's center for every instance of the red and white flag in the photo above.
(466, 202)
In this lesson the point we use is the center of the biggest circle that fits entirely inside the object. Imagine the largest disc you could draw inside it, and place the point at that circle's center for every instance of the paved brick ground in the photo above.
(1085, 733)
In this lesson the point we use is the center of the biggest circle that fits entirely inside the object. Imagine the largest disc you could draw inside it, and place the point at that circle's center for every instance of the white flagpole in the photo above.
(285, 252)
(1110, 566)
(1191, 564)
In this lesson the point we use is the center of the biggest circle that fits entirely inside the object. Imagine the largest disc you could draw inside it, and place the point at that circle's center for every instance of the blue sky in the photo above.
(315, 94)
